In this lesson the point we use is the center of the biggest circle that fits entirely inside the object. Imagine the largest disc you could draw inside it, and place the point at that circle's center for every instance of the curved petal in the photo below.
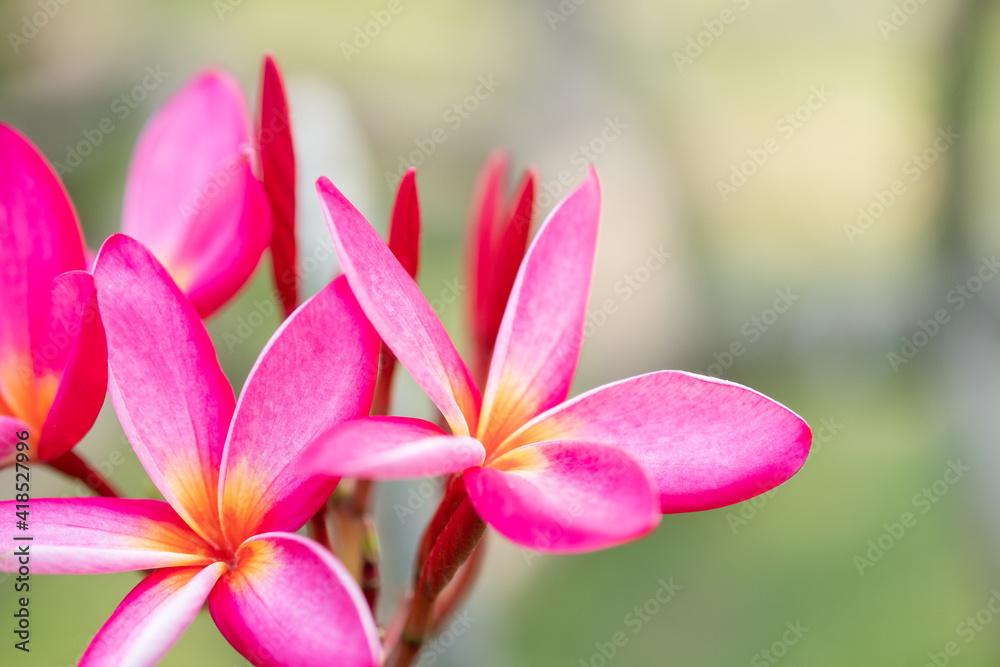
(500, 241)
(317, 371)
(404, 225)
(40, 238)
(539, 342)
(487, 202)
(166, 385)
(564, 497)
(277, 166)
(191, 195)
(290, 603)
(706, 442)
(391, 448)
(73, 358)
(224, 241)
(508, 253)
(9, 428)
(400, 313)
(152, 617)
(102, 535)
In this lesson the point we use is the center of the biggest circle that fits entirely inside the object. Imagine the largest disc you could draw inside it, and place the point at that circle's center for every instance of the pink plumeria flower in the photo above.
(53, 360)
(549, 473)
(226, 470)
(500, 232)
(203, 189)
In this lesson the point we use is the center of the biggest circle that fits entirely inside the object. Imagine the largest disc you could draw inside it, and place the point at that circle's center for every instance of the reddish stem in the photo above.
(459, 588)
(456, 542)
(73, 466)
(454, 494)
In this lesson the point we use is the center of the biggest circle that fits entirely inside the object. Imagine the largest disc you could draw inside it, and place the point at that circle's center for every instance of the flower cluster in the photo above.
(207, 194)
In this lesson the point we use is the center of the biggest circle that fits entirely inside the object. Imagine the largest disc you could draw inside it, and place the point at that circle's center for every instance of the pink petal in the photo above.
(191, 195)
(391, 448)
(501, 239)
(39, 239)
(290, 603)
(166, 385)
(508, 253)
(706, 442)
(277, 161)
(539, 342)
(9, 428)
(317, 371)
(151, 619)
(564, 497)
(400, 313)
(404, 225)
(101, 535)
(225, 242)
(75, 353)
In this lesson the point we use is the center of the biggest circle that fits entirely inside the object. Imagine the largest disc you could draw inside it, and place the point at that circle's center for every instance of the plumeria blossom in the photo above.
(53, 359)
(226, 470)
(207, 194)
(556, 475)
(500, 232)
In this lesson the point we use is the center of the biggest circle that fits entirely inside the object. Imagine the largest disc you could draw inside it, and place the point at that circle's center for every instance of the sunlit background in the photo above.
(836, 161)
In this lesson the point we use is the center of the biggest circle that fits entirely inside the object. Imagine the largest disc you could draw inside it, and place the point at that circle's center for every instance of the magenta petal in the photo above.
(171, 396)
(564, 497)
(9, 428)
(277, 162)
(404, 225)
(191, 195)
(101, 535)
(224, 242)
(40, 238)
(317, 371)
(391, 448)
(487, 203)
(539, 342)
(74, 349)
(706, 442)
(153, 616)
(500, 241)
(400, 313)
(290, 603)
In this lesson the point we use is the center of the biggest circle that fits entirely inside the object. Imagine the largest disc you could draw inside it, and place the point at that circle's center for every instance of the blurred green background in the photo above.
(750, 137)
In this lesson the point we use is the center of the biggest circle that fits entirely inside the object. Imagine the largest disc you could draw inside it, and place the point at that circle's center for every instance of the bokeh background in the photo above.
(747, 139)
